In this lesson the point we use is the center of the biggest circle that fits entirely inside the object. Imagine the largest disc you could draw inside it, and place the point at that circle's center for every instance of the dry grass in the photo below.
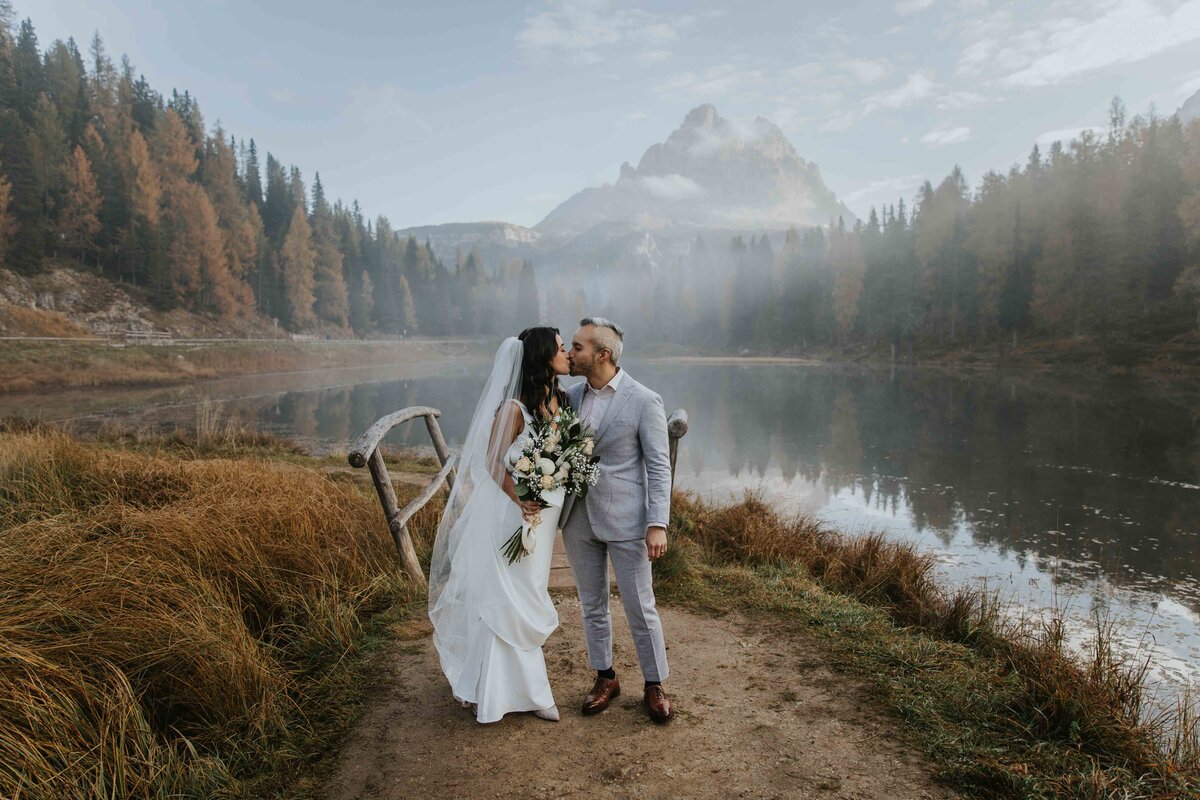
(181, 616)
(23, 321)
(1029, 716)
(161, 618)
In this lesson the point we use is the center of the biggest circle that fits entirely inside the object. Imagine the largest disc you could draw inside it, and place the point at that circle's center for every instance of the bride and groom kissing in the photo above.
(491, 617)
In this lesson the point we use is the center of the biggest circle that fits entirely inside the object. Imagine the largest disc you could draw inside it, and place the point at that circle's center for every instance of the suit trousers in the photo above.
(589, 558)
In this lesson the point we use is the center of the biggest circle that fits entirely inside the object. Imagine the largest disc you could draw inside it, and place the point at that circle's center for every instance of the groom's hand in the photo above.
(656, 542)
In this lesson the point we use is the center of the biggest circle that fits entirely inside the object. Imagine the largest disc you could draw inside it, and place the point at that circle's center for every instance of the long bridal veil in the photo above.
(476, 504)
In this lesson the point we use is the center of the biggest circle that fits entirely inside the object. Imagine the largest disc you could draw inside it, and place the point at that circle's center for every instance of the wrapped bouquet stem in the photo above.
(524, 540)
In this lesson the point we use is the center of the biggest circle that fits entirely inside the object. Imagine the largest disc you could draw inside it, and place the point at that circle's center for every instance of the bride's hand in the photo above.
(529, 508)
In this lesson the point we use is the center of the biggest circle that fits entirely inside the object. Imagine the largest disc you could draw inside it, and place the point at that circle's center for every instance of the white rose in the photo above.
(547, 481)
(588, 444)
(546, 466)
(563, 472)
(550, 443)
(524, 464)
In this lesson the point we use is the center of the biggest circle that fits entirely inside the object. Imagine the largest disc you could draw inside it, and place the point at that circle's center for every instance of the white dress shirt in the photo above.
(596, 401)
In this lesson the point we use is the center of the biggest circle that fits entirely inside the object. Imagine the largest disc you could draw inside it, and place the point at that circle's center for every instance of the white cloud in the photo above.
(840, 121)
(944, 136)
(671, 187)
(879, 193)
(959, 99)
(1075, 38)
(713, 83)
(919, 86)
(867, 70)
(1064, 135)
(588, 31)
(912, 6)
(1189, 87)
(805, 73)
(650, 57)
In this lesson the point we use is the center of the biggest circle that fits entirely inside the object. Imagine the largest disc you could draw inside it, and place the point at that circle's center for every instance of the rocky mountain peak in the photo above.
(704, 116)
(711, 172)
(1190, 109)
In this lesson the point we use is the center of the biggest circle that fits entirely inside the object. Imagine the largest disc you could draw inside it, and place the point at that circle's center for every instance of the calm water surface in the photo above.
(1080, 496)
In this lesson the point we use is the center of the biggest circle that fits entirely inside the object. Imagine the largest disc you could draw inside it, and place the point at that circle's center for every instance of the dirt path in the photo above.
(760, 715)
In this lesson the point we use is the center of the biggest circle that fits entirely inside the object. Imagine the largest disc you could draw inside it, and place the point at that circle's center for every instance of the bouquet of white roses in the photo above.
(555, 460)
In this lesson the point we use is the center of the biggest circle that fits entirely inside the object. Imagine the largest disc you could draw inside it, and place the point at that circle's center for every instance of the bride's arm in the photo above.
(505, 429)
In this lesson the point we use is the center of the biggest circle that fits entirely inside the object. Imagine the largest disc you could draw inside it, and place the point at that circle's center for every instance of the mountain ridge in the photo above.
(710, 175)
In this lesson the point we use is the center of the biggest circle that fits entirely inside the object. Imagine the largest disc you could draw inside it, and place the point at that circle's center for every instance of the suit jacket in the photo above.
(633, 490)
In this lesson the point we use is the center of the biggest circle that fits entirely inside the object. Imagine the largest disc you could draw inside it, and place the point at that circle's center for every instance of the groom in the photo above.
(624, 516)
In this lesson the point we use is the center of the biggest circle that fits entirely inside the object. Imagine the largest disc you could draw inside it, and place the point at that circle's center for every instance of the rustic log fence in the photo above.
(365, 452)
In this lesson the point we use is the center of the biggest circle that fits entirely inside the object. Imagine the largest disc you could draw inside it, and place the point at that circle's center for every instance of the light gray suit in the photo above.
(632, 492)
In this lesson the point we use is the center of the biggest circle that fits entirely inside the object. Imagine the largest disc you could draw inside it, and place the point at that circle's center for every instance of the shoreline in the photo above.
(999, 708)
(32, 365)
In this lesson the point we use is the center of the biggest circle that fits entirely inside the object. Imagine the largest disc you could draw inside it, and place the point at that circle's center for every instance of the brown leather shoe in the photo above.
(603, 692)
(658, 704)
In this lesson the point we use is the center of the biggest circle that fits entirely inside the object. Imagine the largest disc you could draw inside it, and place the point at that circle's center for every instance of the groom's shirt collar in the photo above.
(595, 402)
(613, 384)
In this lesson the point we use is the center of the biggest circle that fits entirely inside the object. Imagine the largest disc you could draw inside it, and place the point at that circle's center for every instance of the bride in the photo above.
(490, 618)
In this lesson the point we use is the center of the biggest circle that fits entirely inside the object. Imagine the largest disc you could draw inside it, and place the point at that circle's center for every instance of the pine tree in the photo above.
(408, 309)
(145, 201)
(48, 148)
(848, 271)
(146, 189)
(297, 262)
(7, 223)
(200, 274)
(332, 302)
(65, 84)
(252, 177)
(238, 220)
(528, 308)
(360, 304)
(27, 71)
(78, 222)
(1187, 285)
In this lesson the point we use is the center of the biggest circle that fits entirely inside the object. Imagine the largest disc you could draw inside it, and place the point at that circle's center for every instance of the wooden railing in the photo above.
(677, 428)
(365, 453)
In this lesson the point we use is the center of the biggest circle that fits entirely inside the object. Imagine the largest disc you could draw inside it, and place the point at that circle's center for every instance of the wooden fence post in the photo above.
(677, 428)
(391, 511)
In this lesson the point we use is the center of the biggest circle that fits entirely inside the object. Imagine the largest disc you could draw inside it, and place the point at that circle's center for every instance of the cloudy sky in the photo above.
(456, 111)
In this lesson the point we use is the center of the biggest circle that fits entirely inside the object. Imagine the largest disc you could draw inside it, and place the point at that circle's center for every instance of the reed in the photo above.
(161, 619)
(185, 615)
(1000, 697)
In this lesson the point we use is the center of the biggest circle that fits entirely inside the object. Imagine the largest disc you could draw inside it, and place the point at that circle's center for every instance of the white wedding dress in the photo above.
(490, 617)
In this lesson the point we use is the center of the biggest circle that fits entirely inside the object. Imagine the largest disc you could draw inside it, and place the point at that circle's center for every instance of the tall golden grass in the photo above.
(1093, 703)
(159, 616)
(170, 609)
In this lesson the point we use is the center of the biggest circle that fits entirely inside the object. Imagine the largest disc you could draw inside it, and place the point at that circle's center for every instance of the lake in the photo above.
(1076, 494)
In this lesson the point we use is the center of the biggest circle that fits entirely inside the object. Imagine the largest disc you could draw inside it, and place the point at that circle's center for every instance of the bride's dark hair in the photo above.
(538, 381)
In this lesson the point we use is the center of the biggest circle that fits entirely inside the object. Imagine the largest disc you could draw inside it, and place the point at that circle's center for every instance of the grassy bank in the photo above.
(31, 366)
(189, 618)
(1000, 704)
(172, 619)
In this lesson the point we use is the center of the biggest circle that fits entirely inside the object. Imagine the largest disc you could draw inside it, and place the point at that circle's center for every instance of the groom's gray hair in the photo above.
(608, 336)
